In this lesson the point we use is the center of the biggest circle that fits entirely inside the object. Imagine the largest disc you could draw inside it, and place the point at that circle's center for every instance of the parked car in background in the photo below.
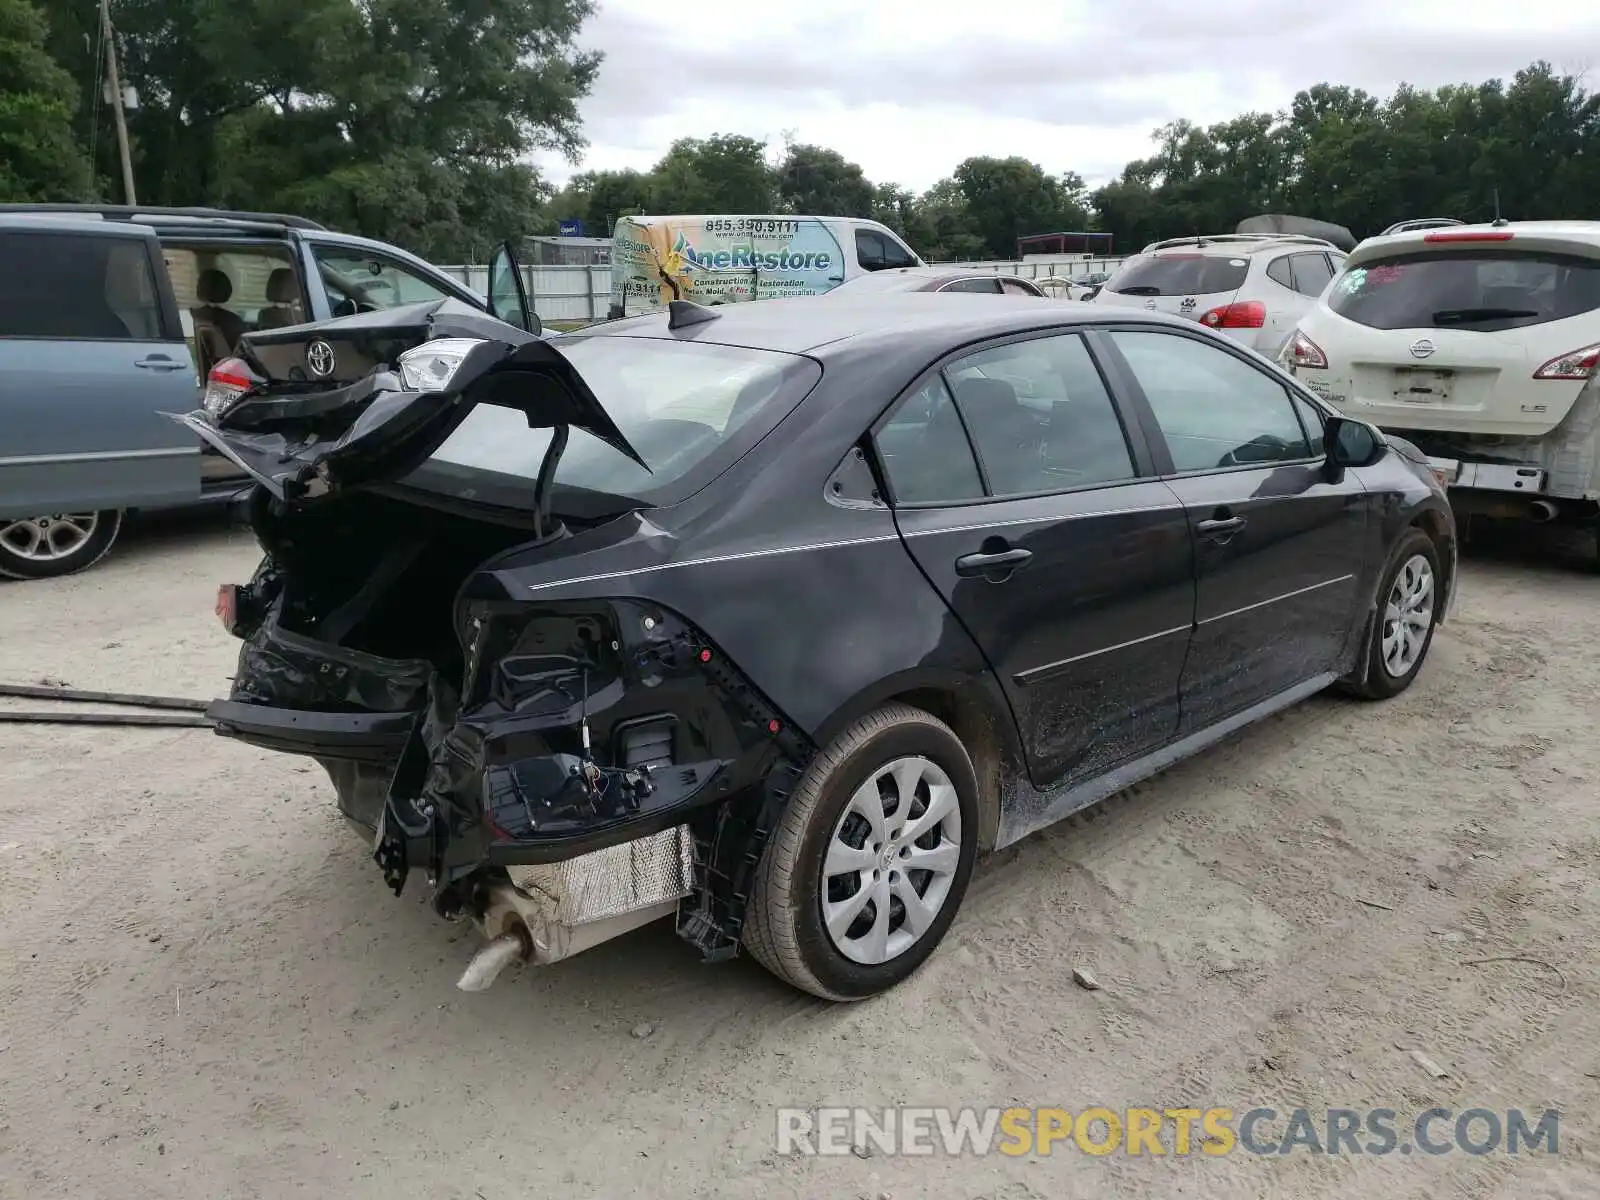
(1251, 287)
(939, 279)
(717, 260)
(109, 315)
(775, 616)
(1420, 223)
(1479, 343)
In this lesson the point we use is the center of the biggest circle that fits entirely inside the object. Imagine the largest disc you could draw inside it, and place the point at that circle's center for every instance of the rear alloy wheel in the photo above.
(1407, 612)
(58, 544)
(869, 863)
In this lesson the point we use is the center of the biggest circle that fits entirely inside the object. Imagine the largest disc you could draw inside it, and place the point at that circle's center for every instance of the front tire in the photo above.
(1407, 614)
(871, 859)
(57, 544)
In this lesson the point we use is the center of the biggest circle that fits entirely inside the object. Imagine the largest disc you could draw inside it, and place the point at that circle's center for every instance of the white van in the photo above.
(723, 260)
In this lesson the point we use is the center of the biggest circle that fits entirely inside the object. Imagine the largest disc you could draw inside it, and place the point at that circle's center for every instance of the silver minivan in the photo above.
(91, 352)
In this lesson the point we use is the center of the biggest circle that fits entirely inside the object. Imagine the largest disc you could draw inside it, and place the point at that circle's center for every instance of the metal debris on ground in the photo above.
(189, 713)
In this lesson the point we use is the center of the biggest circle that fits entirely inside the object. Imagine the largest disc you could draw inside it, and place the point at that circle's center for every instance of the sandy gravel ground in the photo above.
(207, 992)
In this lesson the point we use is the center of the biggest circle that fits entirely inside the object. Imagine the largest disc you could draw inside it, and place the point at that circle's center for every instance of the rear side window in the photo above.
(1180, 275)
(925, 450)
(82, 287)
(989, 287)
(1483, 290)
(1311, 273)
(1015, 287)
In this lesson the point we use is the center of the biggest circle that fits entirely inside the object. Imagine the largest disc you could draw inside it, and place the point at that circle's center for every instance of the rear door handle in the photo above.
(159, 362)
(1002, 560)
(1221, 525)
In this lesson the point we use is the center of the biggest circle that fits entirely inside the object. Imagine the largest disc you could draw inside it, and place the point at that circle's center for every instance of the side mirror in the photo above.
(1352, 443)
(508, 298)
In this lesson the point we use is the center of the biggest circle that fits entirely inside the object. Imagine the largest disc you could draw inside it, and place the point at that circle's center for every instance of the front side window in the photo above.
(1214, 410)
(1482, 290)
(875, 252)
(84, 287)
(359, 282)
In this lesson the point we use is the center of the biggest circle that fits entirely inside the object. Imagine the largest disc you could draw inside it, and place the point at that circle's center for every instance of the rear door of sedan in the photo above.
(1031, 505)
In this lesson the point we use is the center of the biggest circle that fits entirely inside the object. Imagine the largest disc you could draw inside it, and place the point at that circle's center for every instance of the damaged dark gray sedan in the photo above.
(775, 616)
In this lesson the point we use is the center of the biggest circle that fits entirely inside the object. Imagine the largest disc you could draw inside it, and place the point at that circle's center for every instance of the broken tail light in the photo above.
(228, 383)
(1243, 314)
(1573, 366)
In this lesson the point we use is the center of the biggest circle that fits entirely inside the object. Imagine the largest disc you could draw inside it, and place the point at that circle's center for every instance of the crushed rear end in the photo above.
(556, 771)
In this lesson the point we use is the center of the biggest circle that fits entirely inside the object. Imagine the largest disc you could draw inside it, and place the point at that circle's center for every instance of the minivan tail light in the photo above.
(1473, 235)
(1574, 365)
(1303, 352)
(1244, 314)
(229, 380)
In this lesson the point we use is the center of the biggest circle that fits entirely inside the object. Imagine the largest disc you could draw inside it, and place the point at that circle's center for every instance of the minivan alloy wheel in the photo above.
(1407, 616)
(891, 861)
(49, 538)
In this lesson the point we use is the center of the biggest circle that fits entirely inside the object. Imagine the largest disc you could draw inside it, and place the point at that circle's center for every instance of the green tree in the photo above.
(821, 182)
(724, 173)
(1008, 198)
(39, 156)
(598, 198)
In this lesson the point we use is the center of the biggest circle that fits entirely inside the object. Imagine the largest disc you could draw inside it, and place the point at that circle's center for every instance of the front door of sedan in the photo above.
(1031, 509)
(1278, 544)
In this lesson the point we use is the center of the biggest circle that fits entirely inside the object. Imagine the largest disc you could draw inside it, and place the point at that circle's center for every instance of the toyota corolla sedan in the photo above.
(772, 618)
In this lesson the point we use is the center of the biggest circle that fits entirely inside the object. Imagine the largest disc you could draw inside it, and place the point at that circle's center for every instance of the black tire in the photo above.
(784, 928)
(1380, 683)
(108, 523)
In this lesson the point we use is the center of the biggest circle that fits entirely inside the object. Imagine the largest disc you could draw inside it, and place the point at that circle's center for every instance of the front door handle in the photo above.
(159, 362)
(1221, 525)
(997, 563)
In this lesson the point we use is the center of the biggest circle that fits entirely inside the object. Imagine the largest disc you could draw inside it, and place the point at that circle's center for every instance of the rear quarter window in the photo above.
(1484, 290)
(1180, 275)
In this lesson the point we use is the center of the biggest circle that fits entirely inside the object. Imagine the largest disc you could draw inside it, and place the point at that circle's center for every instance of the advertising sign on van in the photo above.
(721, 260)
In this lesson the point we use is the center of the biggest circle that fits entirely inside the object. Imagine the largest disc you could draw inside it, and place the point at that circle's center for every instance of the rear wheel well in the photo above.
(977, 733)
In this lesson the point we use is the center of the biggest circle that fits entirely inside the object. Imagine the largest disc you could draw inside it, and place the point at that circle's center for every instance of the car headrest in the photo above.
(994, 397)
(213, 287)
(282, 288)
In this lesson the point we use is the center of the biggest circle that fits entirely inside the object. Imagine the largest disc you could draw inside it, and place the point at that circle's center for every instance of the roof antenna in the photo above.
(1498, 219)
(683, 313)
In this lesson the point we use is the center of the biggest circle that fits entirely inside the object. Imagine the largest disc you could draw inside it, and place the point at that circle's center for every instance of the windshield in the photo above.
(1180, 275)
(689, 408)
(1483, 290)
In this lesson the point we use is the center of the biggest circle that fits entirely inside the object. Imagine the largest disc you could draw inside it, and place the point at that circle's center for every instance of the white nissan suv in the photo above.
(1252, 287)
(1478, 344)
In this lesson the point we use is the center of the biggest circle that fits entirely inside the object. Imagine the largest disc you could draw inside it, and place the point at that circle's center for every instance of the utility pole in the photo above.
(116, 102)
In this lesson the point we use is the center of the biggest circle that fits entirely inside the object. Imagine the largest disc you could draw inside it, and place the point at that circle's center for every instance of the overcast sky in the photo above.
(908, 88)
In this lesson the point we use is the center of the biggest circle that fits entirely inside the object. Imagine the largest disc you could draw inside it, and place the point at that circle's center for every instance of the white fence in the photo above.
(569, 294)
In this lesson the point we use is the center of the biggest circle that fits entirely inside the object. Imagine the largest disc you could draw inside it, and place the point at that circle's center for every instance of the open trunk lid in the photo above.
(361, 400)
